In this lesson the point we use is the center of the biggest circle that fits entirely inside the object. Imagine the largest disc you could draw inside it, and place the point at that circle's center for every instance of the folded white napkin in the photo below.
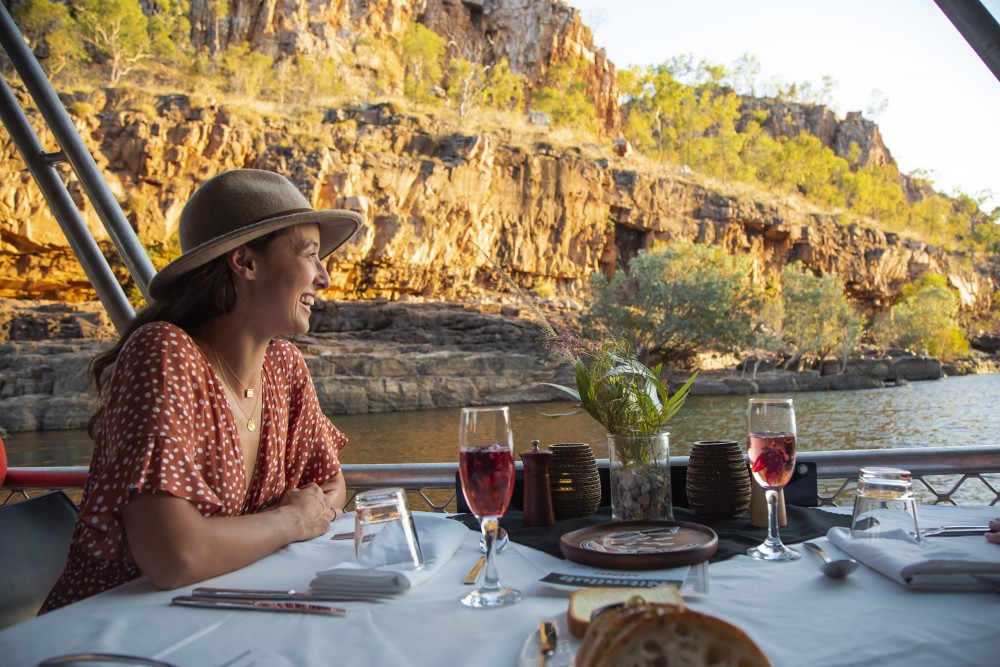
(934, 563)
(439, 537)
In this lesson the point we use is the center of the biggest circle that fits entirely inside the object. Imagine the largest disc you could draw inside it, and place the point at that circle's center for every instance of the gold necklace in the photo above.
(248, 392)
(251, 424)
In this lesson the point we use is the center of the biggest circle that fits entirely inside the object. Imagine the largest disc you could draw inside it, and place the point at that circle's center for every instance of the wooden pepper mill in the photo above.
(537, 487)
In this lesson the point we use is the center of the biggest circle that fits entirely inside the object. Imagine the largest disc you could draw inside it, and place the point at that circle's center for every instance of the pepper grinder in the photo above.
(537, 487)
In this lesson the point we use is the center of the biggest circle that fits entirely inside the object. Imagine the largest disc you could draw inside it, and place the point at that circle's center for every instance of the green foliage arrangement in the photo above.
(676, 300)
(615, 388)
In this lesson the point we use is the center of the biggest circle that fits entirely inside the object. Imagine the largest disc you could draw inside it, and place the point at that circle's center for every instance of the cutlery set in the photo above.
(288, 595)
(250, 599)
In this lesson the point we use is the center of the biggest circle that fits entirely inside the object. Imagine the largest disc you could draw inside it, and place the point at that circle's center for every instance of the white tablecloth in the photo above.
(798, 617)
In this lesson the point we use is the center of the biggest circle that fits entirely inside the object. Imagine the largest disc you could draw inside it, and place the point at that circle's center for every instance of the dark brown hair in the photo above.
(193, 300)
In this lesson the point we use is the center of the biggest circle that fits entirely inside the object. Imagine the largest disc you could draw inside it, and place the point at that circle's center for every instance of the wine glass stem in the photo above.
(772, 517)
(491, 579)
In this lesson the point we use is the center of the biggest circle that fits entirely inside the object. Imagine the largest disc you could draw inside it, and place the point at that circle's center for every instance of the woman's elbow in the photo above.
(173, 568)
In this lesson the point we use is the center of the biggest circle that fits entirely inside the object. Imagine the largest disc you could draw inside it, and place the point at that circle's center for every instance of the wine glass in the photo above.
(486, 468)
(771, 447)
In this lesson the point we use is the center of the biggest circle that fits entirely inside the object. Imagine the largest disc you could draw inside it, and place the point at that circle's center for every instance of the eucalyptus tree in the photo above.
(817, 317)
(423, 54)
(116, 33)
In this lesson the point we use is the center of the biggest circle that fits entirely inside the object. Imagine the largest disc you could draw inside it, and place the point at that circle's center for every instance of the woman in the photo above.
(211, 450)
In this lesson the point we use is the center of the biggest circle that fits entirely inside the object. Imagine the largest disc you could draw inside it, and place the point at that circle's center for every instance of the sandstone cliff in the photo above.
(432, 194)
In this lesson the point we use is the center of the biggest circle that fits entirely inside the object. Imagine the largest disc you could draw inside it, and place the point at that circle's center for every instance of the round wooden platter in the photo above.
(640, 545)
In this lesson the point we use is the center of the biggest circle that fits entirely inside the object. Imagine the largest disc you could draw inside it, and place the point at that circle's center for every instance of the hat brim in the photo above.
(336, 227)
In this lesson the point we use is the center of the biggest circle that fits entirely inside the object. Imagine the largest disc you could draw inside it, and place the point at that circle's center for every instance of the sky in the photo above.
(943, 104)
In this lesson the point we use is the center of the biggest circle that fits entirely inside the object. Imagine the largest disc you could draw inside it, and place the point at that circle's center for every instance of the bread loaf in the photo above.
(585, 601)
(642, 633)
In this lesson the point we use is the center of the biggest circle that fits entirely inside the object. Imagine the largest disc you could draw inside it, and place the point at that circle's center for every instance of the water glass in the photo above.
(885, 505)
(384, 534)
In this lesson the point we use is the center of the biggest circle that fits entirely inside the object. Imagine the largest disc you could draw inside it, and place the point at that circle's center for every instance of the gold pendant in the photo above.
(248, 392)
(251, 426)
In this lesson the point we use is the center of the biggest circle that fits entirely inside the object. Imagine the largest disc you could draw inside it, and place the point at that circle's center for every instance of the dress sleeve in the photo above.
(161, 419)
(153, 436)
(313, 441)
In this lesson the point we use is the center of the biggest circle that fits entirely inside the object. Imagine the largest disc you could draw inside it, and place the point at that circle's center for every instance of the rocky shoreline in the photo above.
(382, 356)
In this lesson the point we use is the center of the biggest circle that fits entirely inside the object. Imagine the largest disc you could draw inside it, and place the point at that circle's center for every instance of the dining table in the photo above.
(797, 616)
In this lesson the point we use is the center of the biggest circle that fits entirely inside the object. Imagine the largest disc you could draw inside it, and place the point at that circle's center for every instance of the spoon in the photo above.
(832, 568)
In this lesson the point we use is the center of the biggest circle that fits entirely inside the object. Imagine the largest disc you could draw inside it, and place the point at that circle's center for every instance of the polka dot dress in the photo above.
(167, 428)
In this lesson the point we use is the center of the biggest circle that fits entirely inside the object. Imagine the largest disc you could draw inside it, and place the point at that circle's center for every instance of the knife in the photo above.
(547, 640)
(256, 605)
(473, 574)
(265, 594)
(955, 531)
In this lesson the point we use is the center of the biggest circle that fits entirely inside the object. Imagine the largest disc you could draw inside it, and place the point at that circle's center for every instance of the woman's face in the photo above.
(288, 275)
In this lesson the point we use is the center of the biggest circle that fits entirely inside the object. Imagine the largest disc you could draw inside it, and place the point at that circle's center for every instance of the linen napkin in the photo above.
(440, 538)
(934, 563)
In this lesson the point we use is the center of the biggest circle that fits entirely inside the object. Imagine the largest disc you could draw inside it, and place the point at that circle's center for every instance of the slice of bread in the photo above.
(585, 601)
(642, 633)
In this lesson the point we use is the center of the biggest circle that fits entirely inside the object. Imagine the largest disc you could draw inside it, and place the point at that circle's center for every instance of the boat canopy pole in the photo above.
(42, 168)
(978, 27)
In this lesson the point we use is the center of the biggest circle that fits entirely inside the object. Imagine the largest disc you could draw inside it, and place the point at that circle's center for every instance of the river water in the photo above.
(952, 412)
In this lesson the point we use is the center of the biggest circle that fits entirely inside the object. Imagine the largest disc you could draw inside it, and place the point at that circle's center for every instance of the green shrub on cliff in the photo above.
(677, 300)
(423, 53)
(53, 34)
(926, 320)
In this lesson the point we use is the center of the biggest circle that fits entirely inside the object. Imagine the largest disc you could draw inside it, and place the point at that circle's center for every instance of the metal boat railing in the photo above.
(939, 472)
(42, 166)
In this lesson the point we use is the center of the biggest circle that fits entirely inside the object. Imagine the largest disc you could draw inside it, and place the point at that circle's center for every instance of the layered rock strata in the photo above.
(376, 357)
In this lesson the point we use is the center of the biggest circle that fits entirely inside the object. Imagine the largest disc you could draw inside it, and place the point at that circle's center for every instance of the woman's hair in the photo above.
(193, 301)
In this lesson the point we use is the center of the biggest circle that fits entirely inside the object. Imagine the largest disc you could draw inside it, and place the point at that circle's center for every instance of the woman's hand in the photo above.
(994, 534)
(313, 509)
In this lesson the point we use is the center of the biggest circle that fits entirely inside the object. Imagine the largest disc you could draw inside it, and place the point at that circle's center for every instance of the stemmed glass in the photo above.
(486, 468)
(771, 447)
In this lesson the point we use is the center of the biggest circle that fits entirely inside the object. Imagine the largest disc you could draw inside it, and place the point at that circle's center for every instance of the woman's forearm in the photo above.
(175, 545)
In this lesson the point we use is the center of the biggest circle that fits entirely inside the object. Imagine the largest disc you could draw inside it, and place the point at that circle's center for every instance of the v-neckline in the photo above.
(220, 388)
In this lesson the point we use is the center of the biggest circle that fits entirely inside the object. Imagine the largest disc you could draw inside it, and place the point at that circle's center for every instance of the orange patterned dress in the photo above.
(167, 428)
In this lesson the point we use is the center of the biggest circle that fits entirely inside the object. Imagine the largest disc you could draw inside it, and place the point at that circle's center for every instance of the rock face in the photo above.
(433, 197)
(788, 119)
(531, 34)
(374, 356)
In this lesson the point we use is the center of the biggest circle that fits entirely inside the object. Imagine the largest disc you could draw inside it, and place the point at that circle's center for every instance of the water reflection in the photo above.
(951, 412)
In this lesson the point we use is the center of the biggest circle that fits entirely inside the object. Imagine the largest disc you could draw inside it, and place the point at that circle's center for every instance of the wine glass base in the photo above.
(480, 599)
(773, 552)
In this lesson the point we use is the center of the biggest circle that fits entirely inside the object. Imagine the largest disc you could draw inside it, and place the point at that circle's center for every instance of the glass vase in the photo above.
(640, 477)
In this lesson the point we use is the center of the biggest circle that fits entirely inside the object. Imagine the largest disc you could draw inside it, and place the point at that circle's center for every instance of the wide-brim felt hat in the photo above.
(238, 206)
